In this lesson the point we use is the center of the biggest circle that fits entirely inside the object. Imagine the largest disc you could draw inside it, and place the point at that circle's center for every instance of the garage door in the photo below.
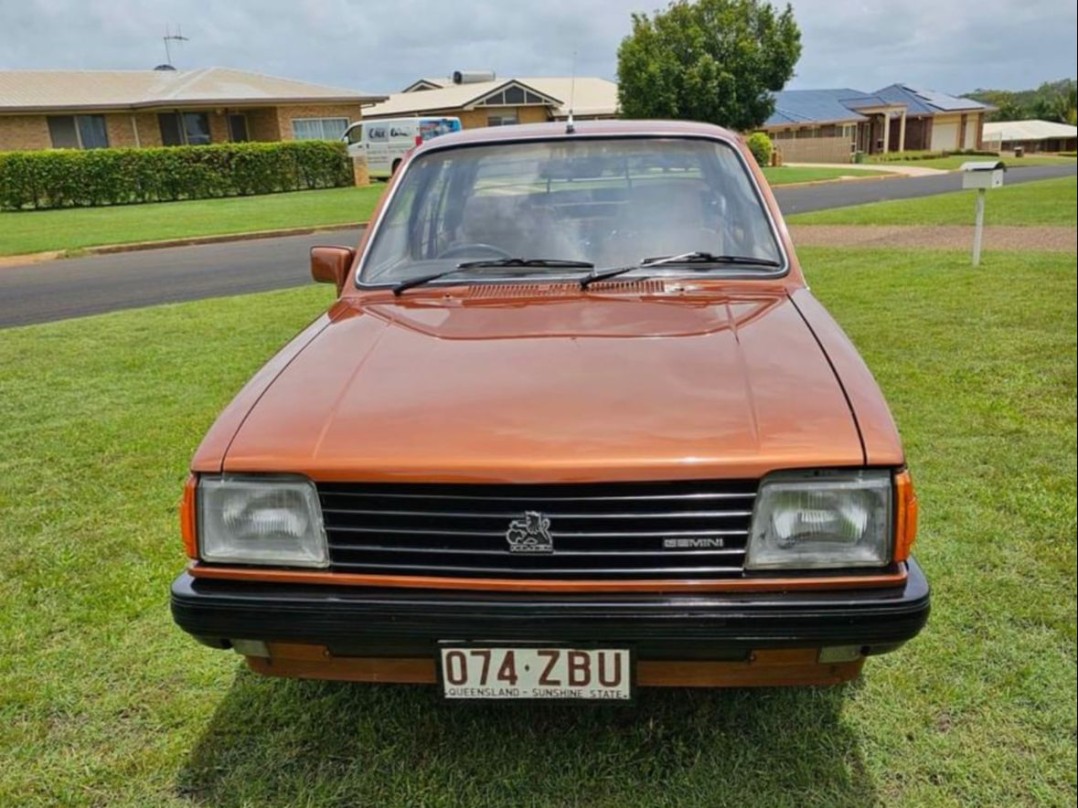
(944, 136)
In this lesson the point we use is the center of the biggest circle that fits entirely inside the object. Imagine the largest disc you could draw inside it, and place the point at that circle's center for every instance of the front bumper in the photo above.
(367, 622)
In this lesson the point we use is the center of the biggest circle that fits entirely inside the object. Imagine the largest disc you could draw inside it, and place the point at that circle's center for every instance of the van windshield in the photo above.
(432, 127)
(605, 202)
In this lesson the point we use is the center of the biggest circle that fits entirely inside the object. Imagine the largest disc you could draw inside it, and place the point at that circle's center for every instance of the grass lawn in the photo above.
(76, 228)
(104, 702)
(1045, 202)
(954, 161)
(784, 175)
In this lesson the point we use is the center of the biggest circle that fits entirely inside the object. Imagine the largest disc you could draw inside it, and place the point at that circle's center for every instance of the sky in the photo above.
(381, 46)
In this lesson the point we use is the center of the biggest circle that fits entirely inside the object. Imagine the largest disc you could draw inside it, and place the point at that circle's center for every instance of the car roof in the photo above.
(558, 130)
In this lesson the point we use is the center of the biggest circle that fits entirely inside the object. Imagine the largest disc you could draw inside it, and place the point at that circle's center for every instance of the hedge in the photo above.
(906, 156)
(61, 178)
(761, 147)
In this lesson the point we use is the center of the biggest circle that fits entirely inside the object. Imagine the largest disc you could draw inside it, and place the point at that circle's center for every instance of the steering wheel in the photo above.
(477, 249)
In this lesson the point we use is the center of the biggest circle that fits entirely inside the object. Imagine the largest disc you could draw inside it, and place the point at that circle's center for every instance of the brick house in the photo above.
(830, 125)
(937, 121)
(1031, 136)
(43, 109)
(479, 98)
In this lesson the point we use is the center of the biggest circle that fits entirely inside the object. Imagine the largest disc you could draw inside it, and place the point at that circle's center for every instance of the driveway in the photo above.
(77, 287)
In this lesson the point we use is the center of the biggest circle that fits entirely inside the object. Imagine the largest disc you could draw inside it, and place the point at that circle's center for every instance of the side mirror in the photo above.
(331, 264)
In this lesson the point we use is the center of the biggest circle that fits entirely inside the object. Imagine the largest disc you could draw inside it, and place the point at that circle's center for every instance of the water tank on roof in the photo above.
(472, 76)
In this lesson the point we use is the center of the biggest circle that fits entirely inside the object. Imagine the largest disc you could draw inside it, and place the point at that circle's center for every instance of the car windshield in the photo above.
(553, 208)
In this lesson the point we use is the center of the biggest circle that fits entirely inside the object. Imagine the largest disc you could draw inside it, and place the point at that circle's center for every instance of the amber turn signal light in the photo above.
(906, 515)
(187, 518)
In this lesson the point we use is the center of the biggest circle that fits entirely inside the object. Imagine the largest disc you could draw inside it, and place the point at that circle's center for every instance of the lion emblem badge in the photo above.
(530, 534)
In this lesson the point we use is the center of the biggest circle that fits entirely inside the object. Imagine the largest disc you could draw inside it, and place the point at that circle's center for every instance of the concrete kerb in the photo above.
(882, 176)
(108, 249)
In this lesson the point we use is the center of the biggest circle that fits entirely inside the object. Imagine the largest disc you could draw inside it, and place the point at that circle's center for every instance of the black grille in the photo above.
(611, 530)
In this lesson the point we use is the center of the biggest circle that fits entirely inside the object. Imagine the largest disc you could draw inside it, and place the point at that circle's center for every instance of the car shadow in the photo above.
(277, 742)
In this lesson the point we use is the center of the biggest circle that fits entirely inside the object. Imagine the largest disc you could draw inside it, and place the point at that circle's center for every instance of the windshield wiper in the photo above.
(419, 280)
(696, 257)
(525, 263)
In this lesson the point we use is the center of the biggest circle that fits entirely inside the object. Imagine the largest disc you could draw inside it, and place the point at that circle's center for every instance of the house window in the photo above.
(184, 128)
(508, 119)
(319, 128)
(511, 96)
(78, 131)
(237, 128)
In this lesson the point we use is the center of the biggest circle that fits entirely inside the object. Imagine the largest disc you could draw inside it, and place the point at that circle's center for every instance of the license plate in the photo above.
(474, 672)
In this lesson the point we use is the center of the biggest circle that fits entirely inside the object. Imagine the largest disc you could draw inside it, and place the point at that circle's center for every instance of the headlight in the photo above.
(261, 520)
(814, 519)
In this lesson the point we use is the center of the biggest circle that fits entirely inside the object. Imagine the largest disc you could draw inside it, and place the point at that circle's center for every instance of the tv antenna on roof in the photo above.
(570, 127)
(172, 37)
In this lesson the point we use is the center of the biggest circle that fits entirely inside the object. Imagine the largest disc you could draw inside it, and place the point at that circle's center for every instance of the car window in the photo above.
(609, 202)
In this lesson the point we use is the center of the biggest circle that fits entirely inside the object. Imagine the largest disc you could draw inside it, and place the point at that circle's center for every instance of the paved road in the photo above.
(56, 290)
(805, 198)
(77, 287)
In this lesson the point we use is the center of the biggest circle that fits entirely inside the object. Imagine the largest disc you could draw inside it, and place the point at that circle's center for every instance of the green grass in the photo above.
(785, 175)
(77, 228)
(953, 162)
(104, 702)
(1045, 202)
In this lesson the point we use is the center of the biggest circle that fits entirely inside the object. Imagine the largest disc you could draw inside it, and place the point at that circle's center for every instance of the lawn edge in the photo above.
(134, 246)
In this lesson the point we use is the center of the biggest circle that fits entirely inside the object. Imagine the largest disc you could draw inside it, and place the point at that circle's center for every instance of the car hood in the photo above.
(590, 387)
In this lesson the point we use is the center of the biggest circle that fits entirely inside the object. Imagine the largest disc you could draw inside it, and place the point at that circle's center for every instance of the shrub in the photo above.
(68, 178)
(907, 156)
(761, 147)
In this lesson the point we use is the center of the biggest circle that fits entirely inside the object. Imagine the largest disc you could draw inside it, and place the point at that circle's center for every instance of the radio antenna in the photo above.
(172, 37)
(570, 127)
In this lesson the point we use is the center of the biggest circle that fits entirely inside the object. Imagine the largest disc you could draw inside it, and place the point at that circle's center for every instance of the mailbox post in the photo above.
(982, 175)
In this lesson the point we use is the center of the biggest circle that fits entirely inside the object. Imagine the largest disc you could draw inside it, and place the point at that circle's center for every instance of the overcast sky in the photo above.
(384, 45)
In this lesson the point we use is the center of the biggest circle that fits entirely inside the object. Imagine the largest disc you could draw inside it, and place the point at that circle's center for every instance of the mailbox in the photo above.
(983, 174)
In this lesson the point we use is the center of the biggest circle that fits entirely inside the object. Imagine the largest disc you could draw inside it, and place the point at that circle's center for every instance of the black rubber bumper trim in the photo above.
(345, 616)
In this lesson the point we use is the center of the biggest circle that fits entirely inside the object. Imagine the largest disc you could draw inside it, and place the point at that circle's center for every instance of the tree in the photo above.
(1010, 109)
(1052, 101)
(709, 60)
(1009, 106)
(1055, 102)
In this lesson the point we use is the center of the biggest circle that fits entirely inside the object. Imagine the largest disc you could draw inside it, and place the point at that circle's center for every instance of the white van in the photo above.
(386, 142)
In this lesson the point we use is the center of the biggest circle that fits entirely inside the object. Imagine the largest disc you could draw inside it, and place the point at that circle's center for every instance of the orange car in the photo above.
(574, 425)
